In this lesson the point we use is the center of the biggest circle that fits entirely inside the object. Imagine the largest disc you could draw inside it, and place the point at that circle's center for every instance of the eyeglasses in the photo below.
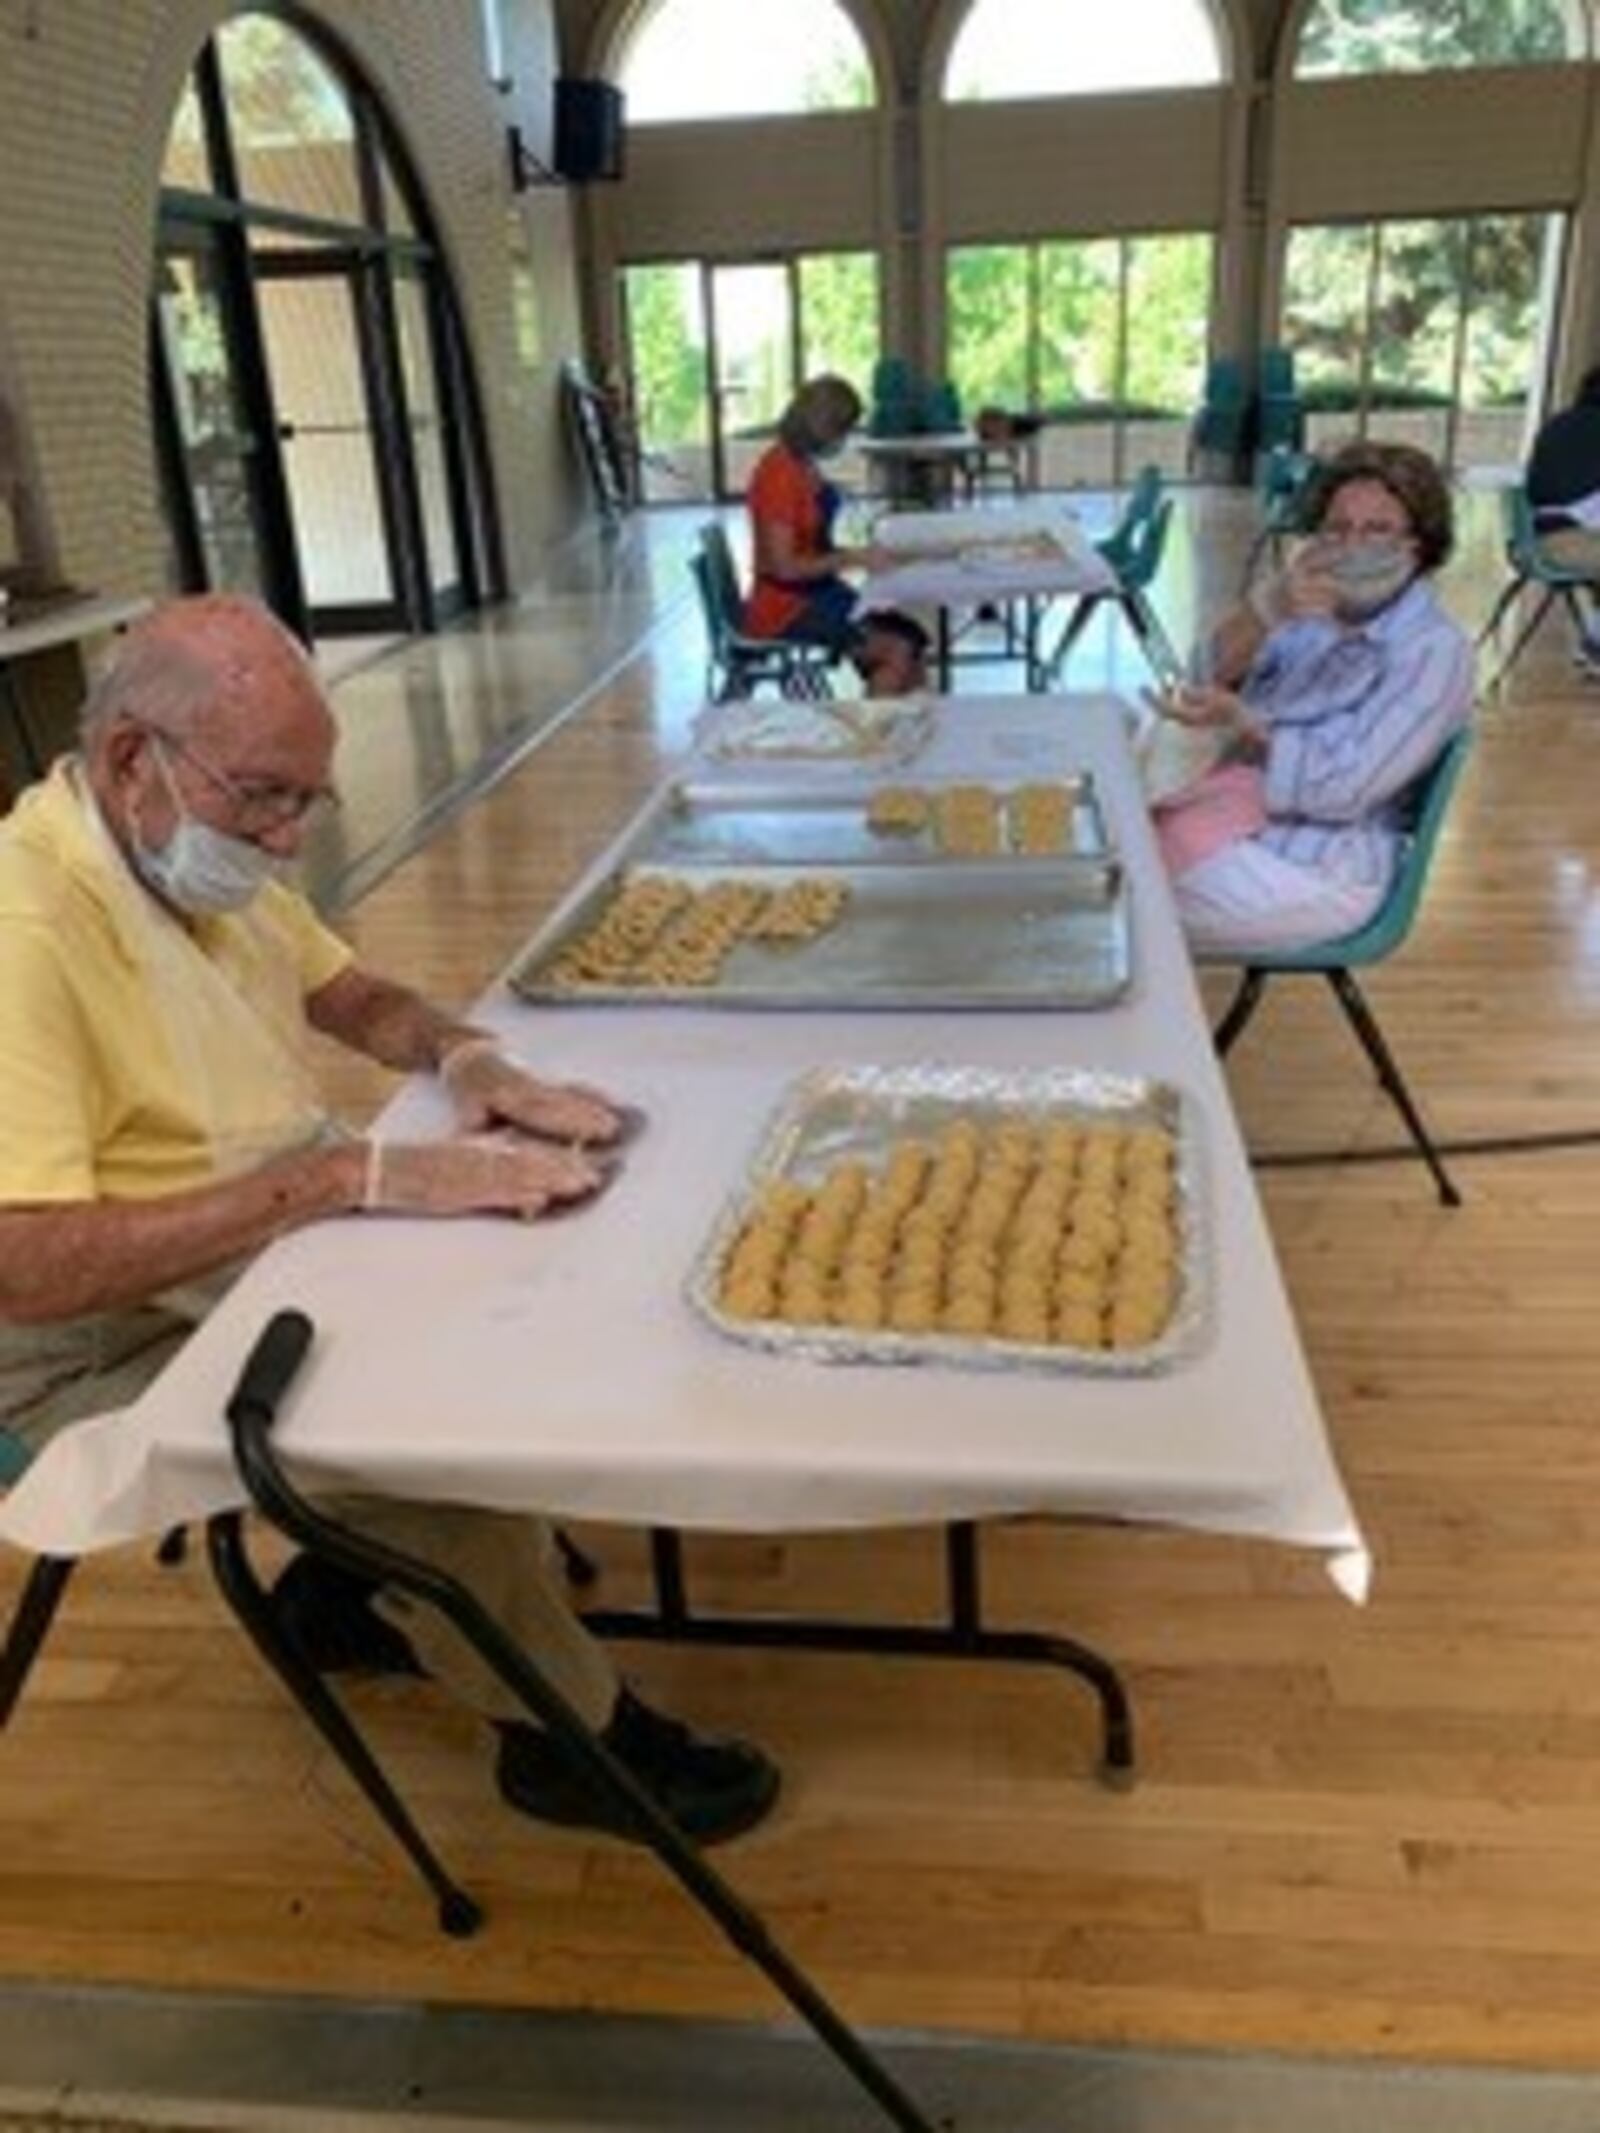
(257, 803)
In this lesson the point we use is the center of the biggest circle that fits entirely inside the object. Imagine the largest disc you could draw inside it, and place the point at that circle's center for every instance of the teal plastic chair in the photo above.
(1280, 412)
(1282, 475)
(1222, 422)
(1117, 547)
(737, 664)
(1134, 552)
(1531, 566)
(896, 398)
(1374, 942)
(941, 407)
(14, 1458)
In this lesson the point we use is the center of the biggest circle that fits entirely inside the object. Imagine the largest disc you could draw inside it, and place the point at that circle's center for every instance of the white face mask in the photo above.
(1369, 574)
(199, 869)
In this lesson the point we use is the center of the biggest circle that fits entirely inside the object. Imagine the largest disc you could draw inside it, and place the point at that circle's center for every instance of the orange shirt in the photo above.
(784, 490)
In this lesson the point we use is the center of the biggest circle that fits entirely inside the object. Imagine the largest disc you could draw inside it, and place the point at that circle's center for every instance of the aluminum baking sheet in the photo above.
(985, 934)
(837, 1113)
(751, 825)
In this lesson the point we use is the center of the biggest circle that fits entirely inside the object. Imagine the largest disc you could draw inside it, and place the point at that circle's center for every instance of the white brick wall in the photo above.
(87, 92)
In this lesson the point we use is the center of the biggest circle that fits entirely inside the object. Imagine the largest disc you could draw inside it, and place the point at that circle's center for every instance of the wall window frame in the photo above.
(1383, 404)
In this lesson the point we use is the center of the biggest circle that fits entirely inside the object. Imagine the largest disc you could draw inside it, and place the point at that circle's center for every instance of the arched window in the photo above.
(1415, 36)
(1008, 49)
(318, 434)
(703, 59)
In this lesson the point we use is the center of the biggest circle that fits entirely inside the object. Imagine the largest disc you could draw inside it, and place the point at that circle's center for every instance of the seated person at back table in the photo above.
(162, 1123)
(1334, 686)
(1563, 484)
(800, 592)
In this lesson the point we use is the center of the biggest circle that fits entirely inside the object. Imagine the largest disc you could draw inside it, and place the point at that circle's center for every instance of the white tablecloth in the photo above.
(968, 557)
(559, 1366)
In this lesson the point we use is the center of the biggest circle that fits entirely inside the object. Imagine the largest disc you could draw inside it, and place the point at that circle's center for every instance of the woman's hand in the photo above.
(1216, 709)
(1304, 590)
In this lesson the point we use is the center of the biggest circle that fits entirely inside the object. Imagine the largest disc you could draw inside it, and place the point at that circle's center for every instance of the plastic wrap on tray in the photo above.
(836, 1118)
(847, 733)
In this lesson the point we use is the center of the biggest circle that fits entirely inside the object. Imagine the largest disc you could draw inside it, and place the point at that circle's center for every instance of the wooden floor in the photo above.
(1357, 1830)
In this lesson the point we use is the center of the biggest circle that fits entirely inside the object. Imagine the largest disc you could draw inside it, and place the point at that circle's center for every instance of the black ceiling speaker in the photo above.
(588, 129)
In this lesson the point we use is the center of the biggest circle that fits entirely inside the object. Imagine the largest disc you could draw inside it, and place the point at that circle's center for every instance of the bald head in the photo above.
(215, 668)
(209, 704)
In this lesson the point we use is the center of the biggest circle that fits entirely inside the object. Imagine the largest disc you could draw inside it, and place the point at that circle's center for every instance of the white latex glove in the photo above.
(475, 1177)
(488, 1089)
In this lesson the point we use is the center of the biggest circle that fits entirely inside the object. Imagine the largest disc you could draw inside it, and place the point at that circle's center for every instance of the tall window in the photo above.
(1023, 48)
(1373, 36)
(1105, 336)
(710, 59)
(317, 432)
(1431, 332)
(715, 349)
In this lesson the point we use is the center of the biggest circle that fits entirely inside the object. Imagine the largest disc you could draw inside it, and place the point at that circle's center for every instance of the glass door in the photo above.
(215, 493)
(430, 454)
(314, 332)
(754, 364)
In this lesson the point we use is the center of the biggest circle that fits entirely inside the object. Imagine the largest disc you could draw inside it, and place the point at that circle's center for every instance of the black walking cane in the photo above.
(266, 1377)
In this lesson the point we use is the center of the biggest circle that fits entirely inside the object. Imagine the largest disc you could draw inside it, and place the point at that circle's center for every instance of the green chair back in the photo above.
(1143, 500)
(1146, 545)
(14, 1458)
(1388, 927)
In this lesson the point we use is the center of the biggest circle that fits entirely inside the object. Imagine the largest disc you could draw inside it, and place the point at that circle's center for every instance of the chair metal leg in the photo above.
(1154, 642)
(1520, 641)
(1364, 1023)
(30, 1625)
(1252, 983)
(459, 1915)
(1498, 613)
(1077, 623)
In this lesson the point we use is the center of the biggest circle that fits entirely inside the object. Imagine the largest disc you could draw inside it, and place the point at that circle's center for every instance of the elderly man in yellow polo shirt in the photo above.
(161, 1121)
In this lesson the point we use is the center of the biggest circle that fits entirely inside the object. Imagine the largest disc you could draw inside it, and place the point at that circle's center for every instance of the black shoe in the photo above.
(327, 1615)
(712, 1789)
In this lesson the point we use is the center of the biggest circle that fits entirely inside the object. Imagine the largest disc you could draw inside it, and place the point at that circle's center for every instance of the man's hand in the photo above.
(488, 1089)
(475, 1177)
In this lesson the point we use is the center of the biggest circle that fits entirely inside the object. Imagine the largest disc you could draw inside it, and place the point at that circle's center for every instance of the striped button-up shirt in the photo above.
(1354, 715)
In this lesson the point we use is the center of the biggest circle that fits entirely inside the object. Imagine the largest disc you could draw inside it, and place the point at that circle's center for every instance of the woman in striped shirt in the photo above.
(1334, 686)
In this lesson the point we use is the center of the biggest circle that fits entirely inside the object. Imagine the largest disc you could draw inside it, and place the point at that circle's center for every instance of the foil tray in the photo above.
(752, 825)
(983, 934)
(834, 1113)
(823, 735)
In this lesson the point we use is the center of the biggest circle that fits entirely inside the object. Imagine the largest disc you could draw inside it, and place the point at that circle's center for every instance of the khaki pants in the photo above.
(506, 1560)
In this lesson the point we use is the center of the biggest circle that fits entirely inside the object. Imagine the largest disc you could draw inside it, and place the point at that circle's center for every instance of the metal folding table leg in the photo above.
(963, 1636)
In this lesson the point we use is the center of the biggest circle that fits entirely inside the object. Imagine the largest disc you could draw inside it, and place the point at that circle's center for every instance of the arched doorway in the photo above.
(315, 414)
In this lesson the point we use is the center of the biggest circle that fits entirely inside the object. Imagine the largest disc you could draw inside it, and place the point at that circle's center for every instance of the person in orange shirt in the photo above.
(800, 591)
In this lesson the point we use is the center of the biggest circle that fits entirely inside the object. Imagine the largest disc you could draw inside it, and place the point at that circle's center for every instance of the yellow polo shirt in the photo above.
(108, 1007)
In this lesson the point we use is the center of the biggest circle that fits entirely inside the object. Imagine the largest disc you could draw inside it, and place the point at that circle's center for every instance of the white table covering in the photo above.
(558, 1366)
(974, 560)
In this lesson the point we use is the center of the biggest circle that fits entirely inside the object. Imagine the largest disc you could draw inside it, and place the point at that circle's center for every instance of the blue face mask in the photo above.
(201, 870)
